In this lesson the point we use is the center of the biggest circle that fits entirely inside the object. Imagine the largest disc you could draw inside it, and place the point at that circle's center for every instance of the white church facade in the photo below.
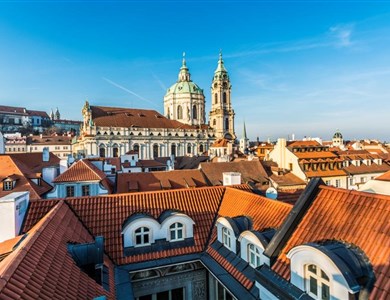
(182, 130)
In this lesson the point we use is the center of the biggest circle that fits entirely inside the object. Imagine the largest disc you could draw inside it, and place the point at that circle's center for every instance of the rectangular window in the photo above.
(337, 182)
(7, 185)
(351, 181)
(290, 166)
(327, 182)
(85, 190)
(70, 191)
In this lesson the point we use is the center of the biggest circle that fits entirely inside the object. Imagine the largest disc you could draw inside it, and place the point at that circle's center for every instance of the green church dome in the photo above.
(184, 85)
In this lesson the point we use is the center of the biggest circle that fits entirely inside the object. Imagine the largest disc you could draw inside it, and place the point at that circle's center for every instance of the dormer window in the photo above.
(142, 236)
(253, 256)
(317, 282)
(176, 232)
(7, 185)
(226, 239)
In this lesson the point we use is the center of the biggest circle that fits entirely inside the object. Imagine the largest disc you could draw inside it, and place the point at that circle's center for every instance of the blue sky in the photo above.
(297, 67)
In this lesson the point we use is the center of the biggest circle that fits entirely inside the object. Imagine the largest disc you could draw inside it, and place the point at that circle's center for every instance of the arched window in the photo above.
(194, 112)
(142, 236)
(224, 98)
(173, 149)
(253, 256)
(136, 148)
(189, 149)
(176, 232)
(201, 149)
(226, 124)
(102, 151)
(317, 282)
(179, 112)
(115, 152)
(226, 239)
(155, 150)
(216, 98)
(214, 122)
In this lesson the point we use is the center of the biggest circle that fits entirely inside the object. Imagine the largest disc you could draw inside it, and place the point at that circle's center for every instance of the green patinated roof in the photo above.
(184, 85)
(221, 72)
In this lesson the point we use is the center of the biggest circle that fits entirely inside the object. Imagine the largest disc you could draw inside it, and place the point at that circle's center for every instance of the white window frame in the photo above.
(175, 229)
(142, 233)
(303, 255)
(321, 282)
(254, 255)
(226, 237)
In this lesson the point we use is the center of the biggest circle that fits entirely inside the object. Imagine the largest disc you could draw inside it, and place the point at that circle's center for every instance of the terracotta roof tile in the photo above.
(153, 181)
(384, 177)
(82, 170)
(117, 208)
(126, 117)
(264, 212)
(355, 217)
(11, 166)
(41, 267)
(250, 171)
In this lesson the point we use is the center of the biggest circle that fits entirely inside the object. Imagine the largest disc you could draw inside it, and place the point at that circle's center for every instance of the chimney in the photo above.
(231, 178)
(45, 154)
(13, 208)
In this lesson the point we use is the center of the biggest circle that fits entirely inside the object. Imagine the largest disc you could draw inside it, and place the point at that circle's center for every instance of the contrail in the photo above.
(127, 90)
(162, 85)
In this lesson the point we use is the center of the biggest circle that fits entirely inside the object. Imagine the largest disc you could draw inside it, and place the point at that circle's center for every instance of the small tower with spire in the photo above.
(244, 141)
(57, 114)
(52, 115)
(222, 114)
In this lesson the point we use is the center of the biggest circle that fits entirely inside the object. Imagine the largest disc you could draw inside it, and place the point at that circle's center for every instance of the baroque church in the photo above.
(182, 130)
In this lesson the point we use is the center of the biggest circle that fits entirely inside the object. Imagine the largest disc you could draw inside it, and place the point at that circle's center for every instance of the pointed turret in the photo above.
(221, 72)
(222, 113)
(244, 145)
(57, 114)
(184, 74)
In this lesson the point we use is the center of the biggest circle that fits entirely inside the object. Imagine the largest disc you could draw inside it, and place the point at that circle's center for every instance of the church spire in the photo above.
(244, 132)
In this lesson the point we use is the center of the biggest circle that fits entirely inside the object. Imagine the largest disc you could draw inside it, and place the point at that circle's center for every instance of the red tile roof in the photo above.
(250, 171)
(49, 140)
(299, 144)
(34, 162)
(82, 170)
(220, 143)
(200, 204)
(265, 213)
(154, 181)
(41, 266)
(16, 170)
(384, 177)
(126, 117)
(358, 218)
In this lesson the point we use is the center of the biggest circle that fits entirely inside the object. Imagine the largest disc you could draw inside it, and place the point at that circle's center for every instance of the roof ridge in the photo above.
(10, 263)
(93, 168)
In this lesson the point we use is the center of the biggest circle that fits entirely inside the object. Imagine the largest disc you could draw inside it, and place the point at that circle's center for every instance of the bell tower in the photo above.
(222, 114)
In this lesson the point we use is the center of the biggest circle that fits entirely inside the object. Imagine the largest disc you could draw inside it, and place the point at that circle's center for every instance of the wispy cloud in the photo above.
(127, 90)
(342, 34)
